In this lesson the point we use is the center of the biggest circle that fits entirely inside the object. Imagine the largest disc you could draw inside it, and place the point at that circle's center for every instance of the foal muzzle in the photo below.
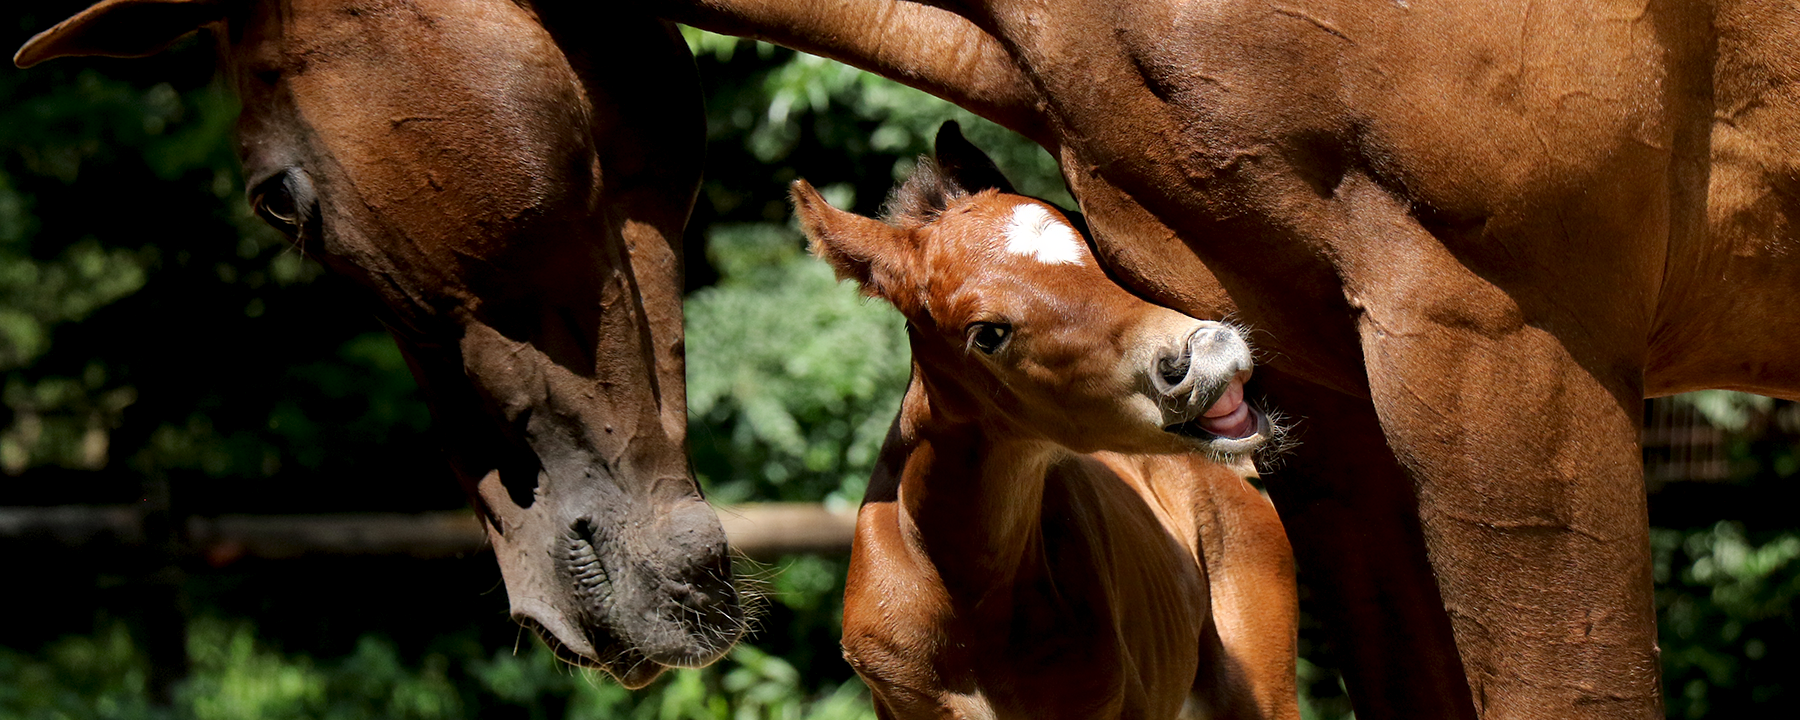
(1200, 388)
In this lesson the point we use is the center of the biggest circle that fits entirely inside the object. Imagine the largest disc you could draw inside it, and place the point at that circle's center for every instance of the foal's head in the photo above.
(1015, 326)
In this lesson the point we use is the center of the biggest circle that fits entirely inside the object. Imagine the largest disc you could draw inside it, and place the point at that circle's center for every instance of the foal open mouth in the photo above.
(1230, 421)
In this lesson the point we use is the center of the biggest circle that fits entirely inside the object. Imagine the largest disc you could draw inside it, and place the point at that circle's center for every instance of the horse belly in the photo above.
(1725, 317)
(1288, 144)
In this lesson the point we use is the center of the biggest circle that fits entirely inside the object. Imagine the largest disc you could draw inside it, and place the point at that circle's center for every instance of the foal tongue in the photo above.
(1229, 416)
(1228, 401)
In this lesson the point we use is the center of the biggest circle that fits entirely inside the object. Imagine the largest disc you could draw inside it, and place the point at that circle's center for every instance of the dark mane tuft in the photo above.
(924, 195)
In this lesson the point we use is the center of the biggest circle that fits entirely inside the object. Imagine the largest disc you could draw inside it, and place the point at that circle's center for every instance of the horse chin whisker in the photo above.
(752, 580)
(1282, 439)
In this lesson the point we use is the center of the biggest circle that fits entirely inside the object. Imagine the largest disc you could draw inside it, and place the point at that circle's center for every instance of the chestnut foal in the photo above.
(1059, 524)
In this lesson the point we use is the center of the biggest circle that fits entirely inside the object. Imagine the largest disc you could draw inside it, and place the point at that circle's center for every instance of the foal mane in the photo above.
(927, 192)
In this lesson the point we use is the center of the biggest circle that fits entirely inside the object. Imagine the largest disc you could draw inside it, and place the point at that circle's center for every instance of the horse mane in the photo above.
(927, 192)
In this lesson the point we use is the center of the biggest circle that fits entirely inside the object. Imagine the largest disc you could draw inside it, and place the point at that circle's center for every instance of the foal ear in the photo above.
(862, 249)
(966, 164)
(120, 28)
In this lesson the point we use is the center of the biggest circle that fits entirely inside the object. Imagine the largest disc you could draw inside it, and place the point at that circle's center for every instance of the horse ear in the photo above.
(966, 164)
(863, 249)
(120, 28)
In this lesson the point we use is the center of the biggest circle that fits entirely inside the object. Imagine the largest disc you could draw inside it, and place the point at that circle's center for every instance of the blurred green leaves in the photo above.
(102, 677)
(1727, 604)
(793, 377)
(237, 677)
(774, 115)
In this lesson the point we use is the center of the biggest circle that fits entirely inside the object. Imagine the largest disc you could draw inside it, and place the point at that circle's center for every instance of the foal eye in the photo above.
(988, 337)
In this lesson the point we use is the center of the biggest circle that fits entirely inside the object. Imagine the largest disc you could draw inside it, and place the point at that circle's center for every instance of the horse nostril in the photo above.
(584, 565)
(1174, 369)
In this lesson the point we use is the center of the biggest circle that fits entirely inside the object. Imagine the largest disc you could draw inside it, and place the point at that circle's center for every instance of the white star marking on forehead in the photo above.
(1032, 232)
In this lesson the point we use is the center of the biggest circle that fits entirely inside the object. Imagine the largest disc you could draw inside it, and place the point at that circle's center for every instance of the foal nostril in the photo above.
(1173, 369)
(1209, 336)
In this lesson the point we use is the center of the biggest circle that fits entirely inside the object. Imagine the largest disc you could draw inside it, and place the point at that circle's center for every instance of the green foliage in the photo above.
(236, 677)
(100, 676)
(1322, 695)
(793, 377)
(1726, 591)
(791, 103)
(1730, 633)
(1725, 409)
(54, 136)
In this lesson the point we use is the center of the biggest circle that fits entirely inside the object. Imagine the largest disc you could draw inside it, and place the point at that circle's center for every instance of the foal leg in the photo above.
(1247, 654)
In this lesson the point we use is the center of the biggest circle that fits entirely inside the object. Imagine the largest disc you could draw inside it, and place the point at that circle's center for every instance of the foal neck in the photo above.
(972, 497)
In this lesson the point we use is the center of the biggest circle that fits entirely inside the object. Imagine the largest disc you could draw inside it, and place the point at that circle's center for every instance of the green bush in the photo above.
(235, 677)
(793, 377)
(1730, 634)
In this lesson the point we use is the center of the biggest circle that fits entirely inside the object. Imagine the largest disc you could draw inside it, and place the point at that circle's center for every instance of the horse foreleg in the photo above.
(1531, 500)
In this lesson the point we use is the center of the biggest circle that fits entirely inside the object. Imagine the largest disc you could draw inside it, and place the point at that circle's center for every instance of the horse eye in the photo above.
(988, 337)
(275, 205)
(276, 201)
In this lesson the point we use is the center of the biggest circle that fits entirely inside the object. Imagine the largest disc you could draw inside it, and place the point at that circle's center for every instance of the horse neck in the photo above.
(971, 497)
(936, 50)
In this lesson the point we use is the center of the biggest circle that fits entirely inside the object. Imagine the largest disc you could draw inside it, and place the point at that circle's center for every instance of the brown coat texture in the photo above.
(1006, 564)
(1473, 237)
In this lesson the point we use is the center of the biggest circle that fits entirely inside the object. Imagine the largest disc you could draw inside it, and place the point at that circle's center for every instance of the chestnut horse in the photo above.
(1475, 236)
(515, 213)
(1045, 535)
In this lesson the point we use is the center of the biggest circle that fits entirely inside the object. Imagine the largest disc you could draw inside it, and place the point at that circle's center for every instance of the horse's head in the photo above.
(514, 210)
(1015, 325)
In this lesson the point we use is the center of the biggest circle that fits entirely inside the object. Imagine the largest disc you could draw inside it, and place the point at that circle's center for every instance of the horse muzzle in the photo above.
(633, 589)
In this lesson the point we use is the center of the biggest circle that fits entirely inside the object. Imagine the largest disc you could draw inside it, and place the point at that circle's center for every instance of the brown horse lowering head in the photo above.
(515, 215)
(1015, 325)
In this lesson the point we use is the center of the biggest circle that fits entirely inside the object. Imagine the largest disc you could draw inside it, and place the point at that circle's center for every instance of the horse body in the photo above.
(1477, 235)
(515, 216)
(997, 570)
(1724, 317)
(1469, 234)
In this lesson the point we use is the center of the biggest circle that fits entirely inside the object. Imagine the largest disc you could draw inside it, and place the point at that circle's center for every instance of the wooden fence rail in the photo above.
(760, 530)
